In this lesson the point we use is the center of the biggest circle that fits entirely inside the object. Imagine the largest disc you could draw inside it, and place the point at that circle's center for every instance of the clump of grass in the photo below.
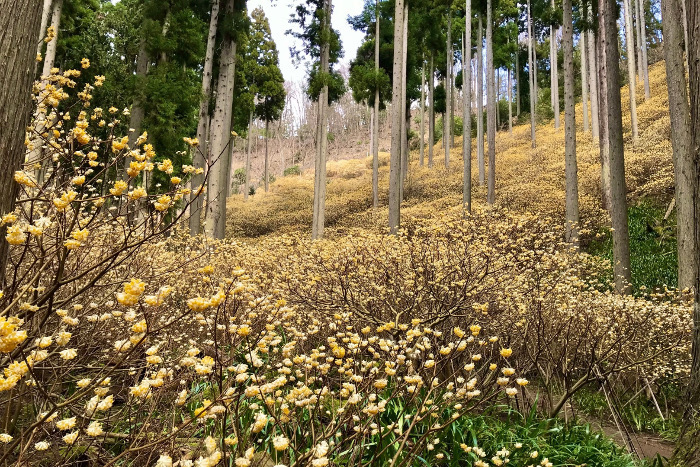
(559, 442)
(653, 247)
(638, 412)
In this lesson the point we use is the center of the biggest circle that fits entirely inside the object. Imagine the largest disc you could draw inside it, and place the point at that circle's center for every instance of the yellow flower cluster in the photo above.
(10, 336)
(23, 178)
(120, 186)
(132, 292)
(15, 235)
(64, 201)
(163, 203)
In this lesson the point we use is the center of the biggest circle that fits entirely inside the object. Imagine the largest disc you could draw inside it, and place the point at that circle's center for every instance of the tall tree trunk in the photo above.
(584, 81)
(533, 77)
(319, 213)
(612, 142)
(534, 61)
(371, 136)
(467, 110)
(517, 79)
(634, 11)
(453, 104)
(571, 167)
(593, 79)
(431, 116)
(554, 69)
(643, 58)
(687, 448)
(421, 157)
(19, 25)
(395, 168)
(220, 136)
(510, 101)
(681, 139)
(604, 151)
(684, 9)
(490, 104)
(200, 155)
(267, 161)
(137, 111)
(229, 167)
(246, 184)
(480, 103)
(50, 55)
(45, 13)
(631, 67)
(498, 98)
(166, 27)
(375, 146)
(35, 155)
(405, 112)
(447, 121)
(694, 59)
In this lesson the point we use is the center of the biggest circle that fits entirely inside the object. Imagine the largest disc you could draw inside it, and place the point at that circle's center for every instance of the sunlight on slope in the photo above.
(527, 180)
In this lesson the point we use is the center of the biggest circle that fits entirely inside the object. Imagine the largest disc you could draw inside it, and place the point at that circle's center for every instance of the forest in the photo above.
(472, 238)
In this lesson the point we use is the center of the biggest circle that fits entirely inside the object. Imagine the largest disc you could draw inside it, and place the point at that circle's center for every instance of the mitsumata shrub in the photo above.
(120, 345)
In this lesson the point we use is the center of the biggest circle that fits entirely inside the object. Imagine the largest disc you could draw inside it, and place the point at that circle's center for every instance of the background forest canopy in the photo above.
(173, 35)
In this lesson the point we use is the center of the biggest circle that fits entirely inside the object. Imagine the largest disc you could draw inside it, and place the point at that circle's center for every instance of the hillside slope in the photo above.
(527, 180)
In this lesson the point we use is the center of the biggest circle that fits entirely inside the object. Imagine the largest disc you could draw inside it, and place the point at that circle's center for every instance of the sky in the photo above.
(279, 24)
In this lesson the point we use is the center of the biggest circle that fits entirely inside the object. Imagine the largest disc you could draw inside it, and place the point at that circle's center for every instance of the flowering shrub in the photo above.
(119, 346)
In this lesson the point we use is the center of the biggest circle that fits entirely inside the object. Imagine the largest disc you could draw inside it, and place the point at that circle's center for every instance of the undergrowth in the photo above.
(653, 248)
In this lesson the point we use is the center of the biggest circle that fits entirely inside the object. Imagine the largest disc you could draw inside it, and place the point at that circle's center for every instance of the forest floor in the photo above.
(528, 180)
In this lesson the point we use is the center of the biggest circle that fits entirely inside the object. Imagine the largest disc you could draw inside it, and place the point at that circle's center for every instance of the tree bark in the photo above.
(681, 139)
(35, 155)
(533, 78)
(643, 57)
(631, 68)
(467, 110)
(50, 55)
(571, 167)
(491, 105)
(45, 13)
(584, 81)
(421, 156)
(200, 154)
(634, 11)
(612, 142)
(510, 101)
(19, 26)
(480, 103)
(319, 213)
(685, 32)
(593, 81)
(498, 98)
(405, 113)
(375, 145)
(395, 168)
(554, 69)
(137, 111)
(220, 136)
(517, 79)
(453, 92)
(693, 12)
(246, 184)
(687, 448)
(447, 121)
(267, 161)
(431, 116)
